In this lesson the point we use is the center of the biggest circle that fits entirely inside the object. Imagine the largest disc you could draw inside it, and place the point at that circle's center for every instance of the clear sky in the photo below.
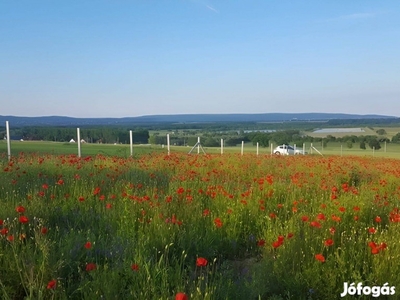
(116, 58)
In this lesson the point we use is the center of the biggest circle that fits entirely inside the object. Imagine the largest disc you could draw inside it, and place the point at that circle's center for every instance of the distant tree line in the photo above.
(90, 135)
(265, 139)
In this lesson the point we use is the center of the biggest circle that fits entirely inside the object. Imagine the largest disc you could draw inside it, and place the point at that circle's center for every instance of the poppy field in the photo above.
(185, 226)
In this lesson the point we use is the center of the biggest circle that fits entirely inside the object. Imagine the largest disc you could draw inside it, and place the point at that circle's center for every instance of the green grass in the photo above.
(57, 148)
(123, 150)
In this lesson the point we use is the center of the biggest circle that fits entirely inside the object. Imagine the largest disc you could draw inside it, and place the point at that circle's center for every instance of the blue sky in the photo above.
(115, 58)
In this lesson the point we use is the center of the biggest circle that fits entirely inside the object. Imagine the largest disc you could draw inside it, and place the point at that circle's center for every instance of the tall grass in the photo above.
(107, 227)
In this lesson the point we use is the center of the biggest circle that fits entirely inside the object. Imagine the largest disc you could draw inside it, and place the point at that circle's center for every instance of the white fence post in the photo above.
(242, 148)
(78, 132)
(8, 141)
(168, 145)
(198, 146)
(131, 141)
(272, 147)
(257, 148)
(222, 146)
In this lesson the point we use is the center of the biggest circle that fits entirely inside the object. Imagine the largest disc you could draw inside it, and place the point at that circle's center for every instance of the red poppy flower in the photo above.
(277, 244)
(91, 267)
(328, 242)
(261, 243)
(315, 224)
(10, 238)
(43, 230)
(1, 222)
(218, 222)
(135, 267)
(320, 257)
(181, 296)
(201, 262)
(375, 249)
(88, 245)
(321, 216)
(290, 235)
(372, 230)
(20, 209)
(96, 191)
(304, 218)
(52, 284)
(23, 219)
(3, 231)
(378, 219)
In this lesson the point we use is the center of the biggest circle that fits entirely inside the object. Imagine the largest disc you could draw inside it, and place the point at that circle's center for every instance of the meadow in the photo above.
(178, 226)
(390, 150)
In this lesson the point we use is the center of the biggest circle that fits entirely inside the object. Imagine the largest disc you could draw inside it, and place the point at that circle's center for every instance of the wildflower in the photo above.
(378, 219)
(321, 217)
(304, 218)
(372, 230)
(261, 243)
(277, 243)
(90, 267)
(218, 222)
(315, 224)
(135, 267)
(23, 219)
(181, 296)
(43, 230)
(328, 242)
(52, 284)
(10, 238)
(88, 245)
(3, 231)
(20, 209)
(96, 191)
(375, 249)
(81, 199)
(320, 257)
(201, 262)
(290, 235)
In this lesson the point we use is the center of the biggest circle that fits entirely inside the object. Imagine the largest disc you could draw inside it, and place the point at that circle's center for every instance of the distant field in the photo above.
(390, 132)
(123, 150)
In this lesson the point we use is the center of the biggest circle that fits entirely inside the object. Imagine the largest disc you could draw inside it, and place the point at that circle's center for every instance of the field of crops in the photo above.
(197, 226)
